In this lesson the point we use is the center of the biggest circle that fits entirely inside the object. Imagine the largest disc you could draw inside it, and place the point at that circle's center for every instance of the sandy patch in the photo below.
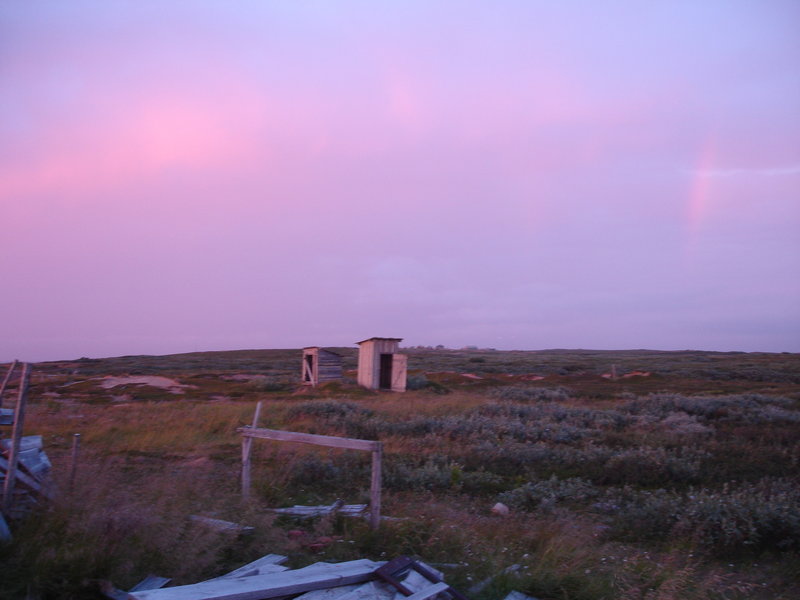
(152, 380)
(531, 377)
(627, 375)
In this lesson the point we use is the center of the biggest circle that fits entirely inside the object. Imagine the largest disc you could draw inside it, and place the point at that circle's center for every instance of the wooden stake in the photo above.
(375, 488)
(247, 446)
(16, 435)
(76, 442)
(6, 379)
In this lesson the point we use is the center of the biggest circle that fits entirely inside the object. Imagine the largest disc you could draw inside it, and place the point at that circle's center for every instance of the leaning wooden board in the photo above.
(273, 585)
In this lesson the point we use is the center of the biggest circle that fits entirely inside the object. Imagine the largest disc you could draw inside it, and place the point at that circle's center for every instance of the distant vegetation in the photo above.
(681, 480)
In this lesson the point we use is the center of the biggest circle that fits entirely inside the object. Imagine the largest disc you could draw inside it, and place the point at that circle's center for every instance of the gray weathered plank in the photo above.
(26, 442)
(515, 595)
(259, 587)
(6, 416)
(151, 582)
(26, 480)
(253, 568)
(5, 532)
(429, 591)
(334, 593)
(309, 438)
(221, 525)
(348, 510)
(374, 590)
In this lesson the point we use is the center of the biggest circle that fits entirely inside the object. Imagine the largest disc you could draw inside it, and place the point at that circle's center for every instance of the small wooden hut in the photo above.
(320, 366)
(380, 367)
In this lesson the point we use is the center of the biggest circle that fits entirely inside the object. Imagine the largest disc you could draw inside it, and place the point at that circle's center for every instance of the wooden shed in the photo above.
(320, 366)
(380, 367)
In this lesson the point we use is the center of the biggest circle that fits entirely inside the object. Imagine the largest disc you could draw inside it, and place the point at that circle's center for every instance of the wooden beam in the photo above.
(309, 438)
(6, 379)
(16, 436)
(375, 488)
(272, 585)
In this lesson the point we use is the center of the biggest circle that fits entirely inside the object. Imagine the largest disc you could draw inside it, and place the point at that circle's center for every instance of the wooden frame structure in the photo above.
(376, 448)
(380, 366)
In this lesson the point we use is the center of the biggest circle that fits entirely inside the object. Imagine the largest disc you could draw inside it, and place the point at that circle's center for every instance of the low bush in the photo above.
(530, 394)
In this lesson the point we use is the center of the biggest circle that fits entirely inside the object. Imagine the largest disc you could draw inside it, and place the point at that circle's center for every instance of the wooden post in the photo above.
(247, 443)
(16, 435)
(76, 442)
(247, 446)
(375, 488)
(6, 379)
(613, 372)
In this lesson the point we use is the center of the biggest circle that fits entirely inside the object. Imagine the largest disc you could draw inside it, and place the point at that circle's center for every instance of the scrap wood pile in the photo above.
(31, 479)
(266, 578)
(24, 466)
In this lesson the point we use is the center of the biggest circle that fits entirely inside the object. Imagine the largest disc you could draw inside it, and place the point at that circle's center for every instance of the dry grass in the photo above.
(150, 461)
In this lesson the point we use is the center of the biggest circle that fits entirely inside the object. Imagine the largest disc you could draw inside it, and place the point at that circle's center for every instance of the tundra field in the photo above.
(679, 478)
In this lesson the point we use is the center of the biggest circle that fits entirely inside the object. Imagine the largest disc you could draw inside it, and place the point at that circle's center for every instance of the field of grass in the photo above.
(678, 478)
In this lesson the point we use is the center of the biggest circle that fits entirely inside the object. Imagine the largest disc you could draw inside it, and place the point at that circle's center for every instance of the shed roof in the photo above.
(321, 349)
(383, 339)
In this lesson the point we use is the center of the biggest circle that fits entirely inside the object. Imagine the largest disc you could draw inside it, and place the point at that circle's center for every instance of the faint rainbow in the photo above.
(698, 206)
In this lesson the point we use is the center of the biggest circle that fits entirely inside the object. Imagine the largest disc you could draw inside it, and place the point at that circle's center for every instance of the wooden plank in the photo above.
(260, 587)
(26, 442)
(309, 438)
(220, 525)
(429, 591)
(348, 510)
(515, 595)
(335, 593)
(252, 568)
(26, 480)
(35, 462)
(6, 416)
(151, 582)
(6, 379)
(374, 590)
(5, 532)
(16, 436)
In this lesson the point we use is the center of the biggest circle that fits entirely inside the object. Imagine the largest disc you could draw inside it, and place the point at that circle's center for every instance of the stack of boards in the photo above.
(267, 578)
(31, 478)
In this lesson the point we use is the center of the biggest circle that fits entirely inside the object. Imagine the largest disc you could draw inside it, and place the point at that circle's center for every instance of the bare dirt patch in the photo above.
(166, 383)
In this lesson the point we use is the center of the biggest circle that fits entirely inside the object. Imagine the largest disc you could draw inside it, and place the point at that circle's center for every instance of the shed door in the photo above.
(399, 370)
(308, 369)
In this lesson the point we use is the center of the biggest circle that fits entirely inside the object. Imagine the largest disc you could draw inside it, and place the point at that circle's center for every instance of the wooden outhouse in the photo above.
(320, 366)
(380, 367)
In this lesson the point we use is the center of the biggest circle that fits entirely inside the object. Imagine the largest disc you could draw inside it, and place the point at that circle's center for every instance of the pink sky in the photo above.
(181, 176)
